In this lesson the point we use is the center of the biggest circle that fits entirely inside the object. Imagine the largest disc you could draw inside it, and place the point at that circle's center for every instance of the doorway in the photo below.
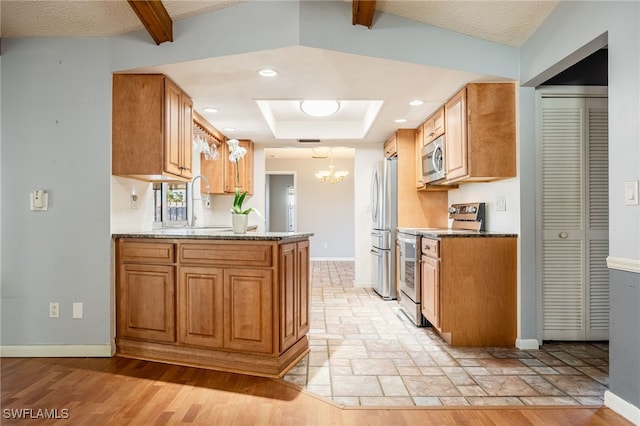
(281, 201)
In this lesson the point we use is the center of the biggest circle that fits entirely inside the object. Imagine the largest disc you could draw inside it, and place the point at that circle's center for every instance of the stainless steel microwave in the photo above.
(433, 161)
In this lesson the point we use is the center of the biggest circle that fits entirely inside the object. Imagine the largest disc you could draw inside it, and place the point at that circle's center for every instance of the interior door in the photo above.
(574, 215)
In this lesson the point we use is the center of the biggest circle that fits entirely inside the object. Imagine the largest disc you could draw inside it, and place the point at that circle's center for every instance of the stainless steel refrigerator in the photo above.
(384, 213)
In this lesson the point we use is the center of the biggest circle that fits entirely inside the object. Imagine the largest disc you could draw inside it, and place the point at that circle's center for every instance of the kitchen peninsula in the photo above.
(213, 299)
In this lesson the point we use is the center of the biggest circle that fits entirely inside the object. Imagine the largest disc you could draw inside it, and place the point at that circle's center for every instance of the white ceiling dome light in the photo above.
(319, 108)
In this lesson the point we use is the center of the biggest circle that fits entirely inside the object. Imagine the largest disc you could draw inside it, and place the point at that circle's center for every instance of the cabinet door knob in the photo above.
(563, 235)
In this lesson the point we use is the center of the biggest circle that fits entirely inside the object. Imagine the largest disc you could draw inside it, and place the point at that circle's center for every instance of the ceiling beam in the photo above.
(363, 11)
(155, 19)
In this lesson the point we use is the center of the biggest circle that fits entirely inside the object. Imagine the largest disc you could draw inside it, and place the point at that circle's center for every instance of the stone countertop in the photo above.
(448, 233)
(213, 233)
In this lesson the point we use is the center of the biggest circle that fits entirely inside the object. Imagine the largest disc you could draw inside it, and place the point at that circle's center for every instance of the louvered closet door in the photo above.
(574, 219)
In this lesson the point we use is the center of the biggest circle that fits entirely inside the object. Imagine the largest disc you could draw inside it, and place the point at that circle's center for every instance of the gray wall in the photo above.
(573, 31)
(325, 209)
(55, 136)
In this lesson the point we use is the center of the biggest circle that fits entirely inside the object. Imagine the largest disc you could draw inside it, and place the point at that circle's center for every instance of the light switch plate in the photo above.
(77, 310)
(631, 193)
(501, 203)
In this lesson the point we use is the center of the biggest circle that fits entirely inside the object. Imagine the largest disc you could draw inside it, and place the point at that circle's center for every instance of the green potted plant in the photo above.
(239, 216)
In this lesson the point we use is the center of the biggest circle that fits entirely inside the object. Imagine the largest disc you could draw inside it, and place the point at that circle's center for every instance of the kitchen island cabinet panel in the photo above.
(241, 303)
(146, 302)
(201, 306)
(248, 304)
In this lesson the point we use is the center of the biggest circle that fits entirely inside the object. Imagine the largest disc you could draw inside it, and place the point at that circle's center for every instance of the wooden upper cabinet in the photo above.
(434, 126)
(391, 147)
(245, 169)
(212, 169)
(152, 128)
(480, 142)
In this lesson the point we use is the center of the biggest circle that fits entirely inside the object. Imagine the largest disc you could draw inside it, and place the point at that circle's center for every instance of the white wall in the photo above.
(323, 208)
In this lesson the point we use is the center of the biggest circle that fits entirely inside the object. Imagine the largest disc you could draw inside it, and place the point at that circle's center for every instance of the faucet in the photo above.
(192, 222)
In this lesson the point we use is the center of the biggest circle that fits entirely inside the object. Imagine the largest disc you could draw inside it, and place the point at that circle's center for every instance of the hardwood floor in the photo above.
(120, 391)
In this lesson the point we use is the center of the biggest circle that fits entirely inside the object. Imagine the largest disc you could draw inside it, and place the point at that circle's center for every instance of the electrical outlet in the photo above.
(501, 203)
(326, 245)
(54, 310)
(134, 201)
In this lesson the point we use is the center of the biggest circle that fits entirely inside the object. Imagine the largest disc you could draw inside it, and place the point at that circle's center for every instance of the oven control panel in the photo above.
(467, 216)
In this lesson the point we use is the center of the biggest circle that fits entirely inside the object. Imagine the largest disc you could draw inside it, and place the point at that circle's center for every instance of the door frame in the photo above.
(558, 92)
(268, 196)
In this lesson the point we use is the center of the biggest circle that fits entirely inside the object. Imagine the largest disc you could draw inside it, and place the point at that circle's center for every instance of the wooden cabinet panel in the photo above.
(212, 169)
(430, 290)
(480, 138)
(294, 293)
(248, 303)
(304, 287)
(245, 170)
(288, 296)
(439, 125)
(477, 291)
(456, 140)
(146, 252)
(151, 128)
(201, 306)
(250, 253)
(146, 304)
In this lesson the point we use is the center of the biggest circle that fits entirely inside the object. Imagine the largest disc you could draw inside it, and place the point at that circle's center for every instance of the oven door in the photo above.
(409, 269)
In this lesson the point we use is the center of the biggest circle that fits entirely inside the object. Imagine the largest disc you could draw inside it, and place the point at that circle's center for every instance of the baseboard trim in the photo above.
(622, 407)
(332, 259)
(55, 351)
(527, 344)
(622, 264)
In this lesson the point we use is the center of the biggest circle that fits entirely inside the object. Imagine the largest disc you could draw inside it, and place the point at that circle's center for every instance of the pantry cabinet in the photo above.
(480, 142)
(151, 128)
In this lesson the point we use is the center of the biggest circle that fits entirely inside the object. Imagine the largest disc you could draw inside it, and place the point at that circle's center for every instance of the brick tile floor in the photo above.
(365, 352)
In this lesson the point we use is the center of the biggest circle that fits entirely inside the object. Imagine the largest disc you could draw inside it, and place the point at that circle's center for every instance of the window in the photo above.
(170, 204)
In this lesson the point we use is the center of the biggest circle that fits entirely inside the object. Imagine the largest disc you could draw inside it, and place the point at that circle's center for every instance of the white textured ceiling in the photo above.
(508, 22)
(344, 76)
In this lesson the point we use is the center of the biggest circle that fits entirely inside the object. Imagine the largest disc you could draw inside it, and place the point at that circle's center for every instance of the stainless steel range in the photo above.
(467, 217)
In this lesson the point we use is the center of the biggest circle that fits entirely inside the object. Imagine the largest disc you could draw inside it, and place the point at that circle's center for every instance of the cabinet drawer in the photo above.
(235, 254)
(146, 252)
(430, 247)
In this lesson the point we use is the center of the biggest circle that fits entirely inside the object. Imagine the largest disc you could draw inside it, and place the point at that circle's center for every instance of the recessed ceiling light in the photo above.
(416, 102)
(229, 129)
(319, 108)
(210, 110)
(266, 72)
(400, 120)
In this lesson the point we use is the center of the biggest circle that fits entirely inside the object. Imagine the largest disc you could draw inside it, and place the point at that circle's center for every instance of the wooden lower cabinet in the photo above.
(294, 293)
(146, 307)
(251, 319)
(430, 290)
(248, 310)
(201, 306)
(469, 294)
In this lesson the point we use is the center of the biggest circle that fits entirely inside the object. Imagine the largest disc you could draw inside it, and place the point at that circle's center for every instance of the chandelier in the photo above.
(331, 175)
